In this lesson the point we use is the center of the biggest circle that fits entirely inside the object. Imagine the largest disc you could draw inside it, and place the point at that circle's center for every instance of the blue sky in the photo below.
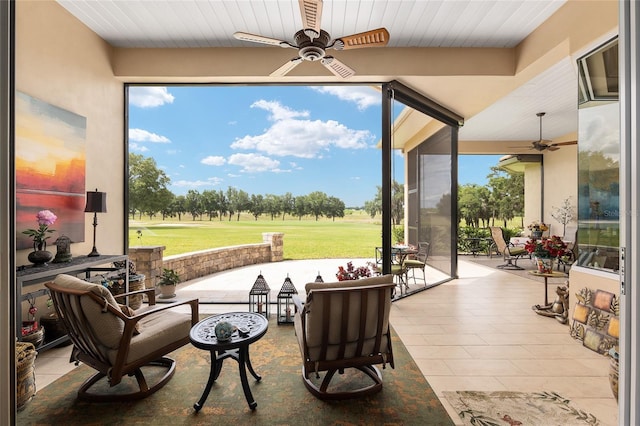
(268, 139)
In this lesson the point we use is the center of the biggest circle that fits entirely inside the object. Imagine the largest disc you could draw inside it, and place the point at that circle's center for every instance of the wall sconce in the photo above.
(96, 203)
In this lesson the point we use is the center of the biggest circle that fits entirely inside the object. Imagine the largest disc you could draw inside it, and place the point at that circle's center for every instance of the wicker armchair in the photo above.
(116, 341)
(344, 325)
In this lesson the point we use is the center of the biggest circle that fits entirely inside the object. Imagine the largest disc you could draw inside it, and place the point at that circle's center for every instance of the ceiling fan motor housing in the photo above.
(312, 50)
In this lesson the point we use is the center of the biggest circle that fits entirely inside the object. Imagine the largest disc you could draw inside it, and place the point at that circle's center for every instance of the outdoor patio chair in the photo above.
(418, 263)
(118, 342)
(399, 271)
(343, 327)
(510, 253)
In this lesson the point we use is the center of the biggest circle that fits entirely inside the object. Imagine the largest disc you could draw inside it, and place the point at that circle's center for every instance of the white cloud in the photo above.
(149, 96)
(139, 135)
(362, 96)
(210, 182)
(137, 147)
(254, 163)
(213, 160)
(305, 138)
(278, 111)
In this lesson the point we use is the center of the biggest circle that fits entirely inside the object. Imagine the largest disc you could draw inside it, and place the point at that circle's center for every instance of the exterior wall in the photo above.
(560, 183)
(62, 62)
(532, 193)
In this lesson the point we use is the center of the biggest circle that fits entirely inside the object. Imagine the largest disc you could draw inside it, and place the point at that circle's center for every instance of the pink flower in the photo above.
(46, 217)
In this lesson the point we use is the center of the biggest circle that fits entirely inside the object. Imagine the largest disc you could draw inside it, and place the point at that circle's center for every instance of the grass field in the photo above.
(354, 236)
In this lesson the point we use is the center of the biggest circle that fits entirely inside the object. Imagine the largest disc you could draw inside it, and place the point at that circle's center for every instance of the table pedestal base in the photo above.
(241, 355)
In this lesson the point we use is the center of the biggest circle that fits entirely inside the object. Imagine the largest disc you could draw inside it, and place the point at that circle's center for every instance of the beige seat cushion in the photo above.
(159, 330)
(106, 327)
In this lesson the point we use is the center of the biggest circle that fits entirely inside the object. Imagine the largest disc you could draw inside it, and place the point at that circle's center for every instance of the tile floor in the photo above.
(475, 333)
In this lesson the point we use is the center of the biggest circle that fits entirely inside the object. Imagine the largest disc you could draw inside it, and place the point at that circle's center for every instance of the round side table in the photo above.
(203, 336)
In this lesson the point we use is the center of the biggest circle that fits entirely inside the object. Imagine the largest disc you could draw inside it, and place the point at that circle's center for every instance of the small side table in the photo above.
(546, 277)
(203, 336)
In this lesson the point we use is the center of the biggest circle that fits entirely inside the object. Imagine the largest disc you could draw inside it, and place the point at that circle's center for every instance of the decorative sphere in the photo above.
(224, 330)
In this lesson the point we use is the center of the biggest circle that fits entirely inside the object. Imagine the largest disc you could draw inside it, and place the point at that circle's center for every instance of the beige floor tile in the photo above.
(433, 367)
(498, 352)
(454, 339)
(484, 367)
(438, 352)
(563, 368)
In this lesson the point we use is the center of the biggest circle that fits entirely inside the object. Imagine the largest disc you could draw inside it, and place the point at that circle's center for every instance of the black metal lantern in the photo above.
(285, 302)
(319, 278)
(259, 297)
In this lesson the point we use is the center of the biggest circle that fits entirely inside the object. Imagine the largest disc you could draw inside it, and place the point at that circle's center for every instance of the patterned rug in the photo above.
(517, 408)
(406, 397)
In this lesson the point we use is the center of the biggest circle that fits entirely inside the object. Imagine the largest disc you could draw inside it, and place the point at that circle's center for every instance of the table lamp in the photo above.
(96, 203)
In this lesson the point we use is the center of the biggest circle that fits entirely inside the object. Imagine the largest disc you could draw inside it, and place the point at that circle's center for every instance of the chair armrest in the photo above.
(131, 321)
(297, 302)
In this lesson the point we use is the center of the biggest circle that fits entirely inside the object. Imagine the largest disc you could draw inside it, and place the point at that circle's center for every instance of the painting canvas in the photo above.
(50, 169)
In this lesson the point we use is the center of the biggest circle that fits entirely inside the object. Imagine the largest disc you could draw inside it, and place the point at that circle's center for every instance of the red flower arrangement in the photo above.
(547, 247)
(352, 273)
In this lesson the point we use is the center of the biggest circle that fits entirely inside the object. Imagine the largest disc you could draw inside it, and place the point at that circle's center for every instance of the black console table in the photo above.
(30, 275)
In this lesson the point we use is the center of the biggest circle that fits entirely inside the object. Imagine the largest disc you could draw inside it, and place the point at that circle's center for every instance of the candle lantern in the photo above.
(285, 302)
(319, 278)
(259, 297)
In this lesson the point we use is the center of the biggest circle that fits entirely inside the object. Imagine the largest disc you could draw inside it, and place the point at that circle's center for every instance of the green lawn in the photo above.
(354, 236)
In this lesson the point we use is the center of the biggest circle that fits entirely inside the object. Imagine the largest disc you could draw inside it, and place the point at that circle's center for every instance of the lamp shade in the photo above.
(96, 202)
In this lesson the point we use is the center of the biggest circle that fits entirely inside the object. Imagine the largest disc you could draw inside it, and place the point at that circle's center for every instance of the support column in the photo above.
(276, 239)
(148, 260)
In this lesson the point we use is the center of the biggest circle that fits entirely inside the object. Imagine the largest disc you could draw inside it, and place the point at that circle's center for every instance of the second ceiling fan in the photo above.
(541, 145)
(312, 42)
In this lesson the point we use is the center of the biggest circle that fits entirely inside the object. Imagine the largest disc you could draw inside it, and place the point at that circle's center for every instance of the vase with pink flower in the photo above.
(40, 256)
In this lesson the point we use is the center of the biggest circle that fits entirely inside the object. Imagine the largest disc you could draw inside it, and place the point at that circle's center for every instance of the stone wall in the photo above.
(149, 260)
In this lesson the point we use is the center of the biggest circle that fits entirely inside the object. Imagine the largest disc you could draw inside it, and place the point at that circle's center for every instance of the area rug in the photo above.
(406, 397)
(517, 408)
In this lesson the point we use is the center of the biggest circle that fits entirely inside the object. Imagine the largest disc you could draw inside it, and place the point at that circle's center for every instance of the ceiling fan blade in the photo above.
(565, 143)
(373, 38)
(311, 11)
(337, 67)
(254, 38)
(552, 148)
(287, 67)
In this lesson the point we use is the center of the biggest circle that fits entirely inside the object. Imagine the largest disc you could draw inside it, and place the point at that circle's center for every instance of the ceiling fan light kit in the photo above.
(312, 42)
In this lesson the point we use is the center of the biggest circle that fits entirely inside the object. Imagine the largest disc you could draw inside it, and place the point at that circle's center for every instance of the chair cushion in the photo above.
(160, 330)
(106, 327)
(515, 251)
(413, 263)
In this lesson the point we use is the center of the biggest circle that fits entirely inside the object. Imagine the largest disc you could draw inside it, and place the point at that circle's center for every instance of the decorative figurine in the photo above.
(224, 330)
(63, 254)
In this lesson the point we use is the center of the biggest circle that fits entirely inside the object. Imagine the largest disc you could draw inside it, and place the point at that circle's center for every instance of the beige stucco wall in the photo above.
(62, 62)
(560, 183)
(532, 193)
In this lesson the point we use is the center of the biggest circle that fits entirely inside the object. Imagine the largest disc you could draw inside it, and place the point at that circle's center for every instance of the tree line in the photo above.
(502, 199)
(148, 195)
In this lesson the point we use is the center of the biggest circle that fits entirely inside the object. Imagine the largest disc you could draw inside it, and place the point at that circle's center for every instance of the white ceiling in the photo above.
(417, 23)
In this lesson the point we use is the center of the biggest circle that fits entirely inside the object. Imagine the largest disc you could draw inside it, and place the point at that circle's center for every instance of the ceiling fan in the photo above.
(541, 144)
(312, 42)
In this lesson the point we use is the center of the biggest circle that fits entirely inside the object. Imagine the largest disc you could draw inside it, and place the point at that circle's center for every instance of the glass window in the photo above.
(599, 163)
